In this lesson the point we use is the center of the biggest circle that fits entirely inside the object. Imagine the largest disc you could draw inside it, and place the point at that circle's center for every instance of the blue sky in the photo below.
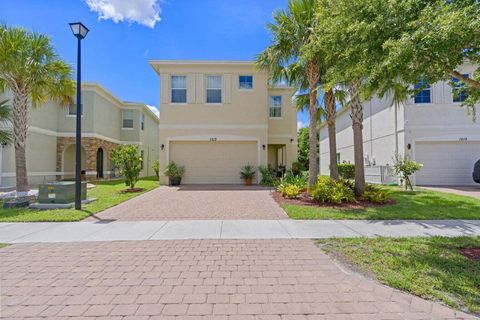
(125, 34)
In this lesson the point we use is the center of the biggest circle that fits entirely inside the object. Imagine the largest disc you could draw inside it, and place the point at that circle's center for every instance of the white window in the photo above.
(127, 119)
(275, 107)
(142, 122)
(72, 109)
(179, 89)
(214, 89)
(245, 82)
(458, 90)
(424, 94)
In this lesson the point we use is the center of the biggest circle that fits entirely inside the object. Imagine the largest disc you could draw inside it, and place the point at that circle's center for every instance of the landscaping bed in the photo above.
(108, 194)
(433, 268)
(421, 204)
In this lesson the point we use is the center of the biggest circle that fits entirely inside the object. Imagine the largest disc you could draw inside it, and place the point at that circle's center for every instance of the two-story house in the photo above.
(431, 128)
(217, 116)
(106, 123)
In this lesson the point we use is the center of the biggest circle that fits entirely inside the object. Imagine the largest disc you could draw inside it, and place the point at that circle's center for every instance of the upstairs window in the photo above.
(72, 109)
(275, 108)
(214, 89)
(127, 119)
(245, 82)
(179, 89)
(459, 93)
(423, 96)
(142, 122)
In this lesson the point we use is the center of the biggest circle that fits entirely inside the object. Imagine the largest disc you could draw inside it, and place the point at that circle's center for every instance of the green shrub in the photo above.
(376, 194)
(404, 167)
(300, 180)
(156, 168)
(172, 170)
(346, 170)
(268, 176)
(290, 191)
(129, 163)
(327, 190)
(247, 172)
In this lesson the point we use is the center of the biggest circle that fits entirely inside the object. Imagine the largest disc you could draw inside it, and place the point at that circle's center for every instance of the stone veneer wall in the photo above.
(91, 146)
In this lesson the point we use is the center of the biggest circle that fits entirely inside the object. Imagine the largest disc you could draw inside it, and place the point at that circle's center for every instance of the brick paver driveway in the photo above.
(471, 191)
(197, 202)
(194, 279)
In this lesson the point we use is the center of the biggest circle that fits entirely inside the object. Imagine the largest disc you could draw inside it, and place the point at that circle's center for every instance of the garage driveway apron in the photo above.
(197, 202)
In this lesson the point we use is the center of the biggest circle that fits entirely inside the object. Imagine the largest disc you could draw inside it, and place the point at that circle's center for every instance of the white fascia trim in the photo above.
(273, 136)
(450, 138)
(441, 127)
(59, 173)
(84, 135)
(214, 126)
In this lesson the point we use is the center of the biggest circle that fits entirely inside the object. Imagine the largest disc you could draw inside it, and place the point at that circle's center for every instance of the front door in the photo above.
(100, 163)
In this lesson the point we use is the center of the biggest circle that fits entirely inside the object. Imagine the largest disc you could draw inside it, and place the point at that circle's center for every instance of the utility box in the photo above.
(60, 192)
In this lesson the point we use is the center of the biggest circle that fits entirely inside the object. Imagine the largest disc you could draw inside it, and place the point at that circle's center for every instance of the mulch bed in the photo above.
(132, 190)
(471, 253)
(304, 199)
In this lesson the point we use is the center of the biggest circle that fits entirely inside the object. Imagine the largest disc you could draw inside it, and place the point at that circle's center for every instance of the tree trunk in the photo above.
(356, 113)
(20, 118)
(313, 76)
(468, 81)
(330, 111)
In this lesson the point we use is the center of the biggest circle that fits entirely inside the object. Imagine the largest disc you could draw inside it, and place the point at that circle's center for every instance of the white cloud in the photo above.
(301, 124)
(143, 12)
(154, 109)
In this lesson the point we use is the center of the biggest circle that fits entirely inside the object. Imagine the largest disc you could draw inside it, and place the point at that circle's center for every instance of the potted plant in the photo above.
(247, 173)
(174, 172)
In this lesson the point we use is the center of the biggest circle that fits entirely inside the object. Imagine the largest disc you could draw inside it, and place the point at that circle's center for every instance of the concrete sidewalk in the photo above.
(230, 229)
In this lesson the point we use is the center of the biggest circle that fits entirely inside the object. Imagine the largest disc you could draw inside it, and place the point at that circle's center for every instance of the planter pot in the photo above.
(248, 182)
(175, 181)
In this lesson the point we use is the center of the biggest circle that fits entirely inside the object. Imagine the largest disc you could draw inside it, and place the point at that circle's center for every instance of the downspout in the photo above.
(396, 127)
(371, 132)
(1, 161)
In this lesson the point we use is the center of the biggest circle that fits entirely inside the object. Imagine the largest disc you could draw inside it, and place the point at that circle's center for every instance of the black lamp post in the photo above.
(80, 32)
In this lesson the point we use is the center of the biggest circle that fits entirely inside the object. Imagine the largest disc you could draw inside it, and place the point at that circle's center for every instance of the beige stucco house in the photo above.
(431, 128)
(217, 116)
(106, 123)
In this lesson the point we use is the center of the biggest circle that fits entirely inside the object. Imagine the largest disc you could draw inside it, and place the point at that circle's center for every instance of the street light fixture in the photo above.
(80, 32)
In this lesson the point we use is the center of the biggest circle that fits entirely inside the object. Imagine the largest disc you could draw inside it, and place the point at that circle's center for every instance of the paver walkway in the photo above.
(197, 202)
(231, 229)
(195, 279)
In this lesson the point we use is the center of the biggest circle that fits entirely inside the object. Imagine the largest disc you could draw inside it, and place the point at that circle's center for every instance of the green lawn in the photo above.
(431, 268)
(107, 193)
(421, 204)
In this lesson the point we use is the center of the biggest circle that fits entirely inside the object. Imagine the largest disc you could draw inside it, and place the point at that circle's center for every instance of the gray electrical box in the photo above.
(59, 192)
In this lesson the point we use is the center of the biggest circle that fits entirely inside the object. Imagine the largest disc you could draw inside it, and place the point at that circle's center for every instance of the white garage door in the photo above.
(216, 162)
(446, 163)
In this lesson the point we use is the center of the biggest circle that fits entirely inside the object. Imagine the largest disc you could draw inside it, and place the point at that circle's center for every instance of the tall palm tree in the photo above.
(34, 73)
(356, 113)
(5, 134)
(292, 30)
(330, 114)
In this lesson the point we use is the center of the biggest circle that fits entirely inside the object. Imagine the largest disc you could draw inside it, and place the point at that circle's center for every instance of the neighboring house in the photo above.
(217, 116)
(106, 123)
(432, 129)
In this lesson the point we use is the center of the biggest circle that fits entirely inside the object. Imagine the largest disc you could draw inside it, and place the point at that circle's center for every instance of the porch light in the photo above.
(162, 146)
(79, 30)
(263, 147)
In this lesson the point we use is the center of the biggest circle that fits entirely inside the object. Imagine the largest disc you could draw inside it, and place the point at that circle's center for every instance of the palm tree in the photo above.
(291, 31)
(5, 134)
(356, 113)
(330, 114)
(34, 73)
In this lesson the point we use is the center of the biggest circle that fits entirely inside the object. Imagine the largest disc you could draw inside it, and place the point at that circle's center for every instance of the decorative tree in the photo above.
(129, 163)
(404, 167)
(33, 72)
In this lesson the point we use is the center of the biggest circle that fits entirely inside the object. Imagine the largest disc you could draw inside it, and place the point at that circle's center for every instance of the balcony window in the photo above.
(275, 108)
(179, 89)
(459, 93)
(72, 109)
(214, 89)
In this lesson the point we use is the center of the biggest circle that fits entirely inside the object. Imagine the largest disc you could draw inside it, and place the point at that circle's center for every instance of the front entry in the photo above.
(100, 163)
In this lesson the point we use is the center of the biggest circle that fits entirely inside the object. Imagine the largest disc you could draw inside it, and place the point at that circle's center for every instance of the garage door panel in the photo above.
(216, 162)
(446, 163)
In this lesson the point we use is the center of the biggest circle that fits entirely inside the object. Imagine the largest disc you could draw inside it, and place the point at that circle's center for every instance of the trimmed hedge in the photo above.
(346, 170)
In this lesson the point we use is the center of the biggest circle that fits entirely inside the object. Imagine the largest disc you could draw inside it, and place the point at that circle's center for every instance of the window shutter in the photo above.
(199, 88)
(165, 88)
(191, 88)
(227, 88)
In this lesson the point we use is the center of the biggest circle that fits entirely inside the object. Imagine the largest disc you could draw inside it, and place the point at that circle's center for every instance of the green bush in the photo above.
(346, 170)
(376, 194)
(327, 190)
(404, 167)
(268, 176)
(156, 168)
(247, 172)
(128, 162)
(300, 180)
(172, 170)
